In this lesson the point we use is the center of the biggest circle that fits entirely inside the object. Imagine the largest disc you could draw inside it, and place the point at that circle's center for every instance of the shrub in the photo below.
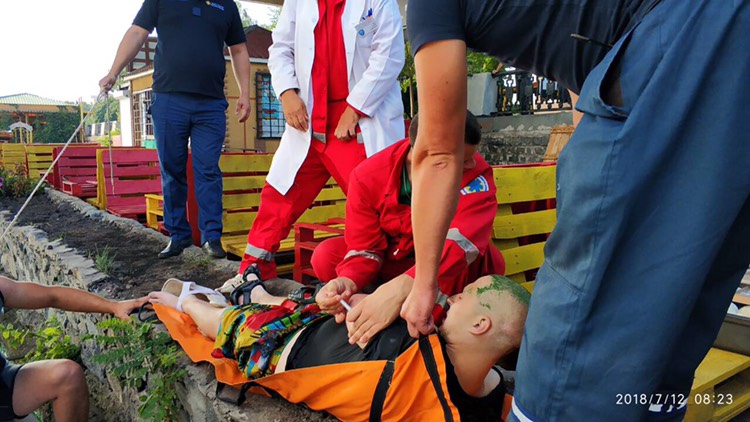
(144, 360)
(15, 183)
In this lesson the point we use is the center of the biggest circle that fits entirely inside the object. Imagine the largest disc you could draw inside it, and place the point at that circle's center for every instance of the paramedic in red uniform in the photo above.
(378, 244)
(334, 65)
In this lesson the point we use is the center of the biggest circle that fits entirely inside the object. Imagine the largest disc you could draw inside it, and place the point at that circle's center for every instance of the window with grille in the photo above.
(268, 108)
(143, 128)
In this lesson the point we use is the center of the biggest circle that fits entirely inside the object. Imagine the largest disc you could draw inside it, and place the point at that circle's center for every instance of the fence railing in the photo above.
(520, 92)
(102, 129)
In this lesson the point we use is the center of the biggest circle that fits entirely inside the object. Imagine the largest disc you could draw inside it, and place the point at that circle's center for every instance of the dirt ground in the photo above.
(136, 270)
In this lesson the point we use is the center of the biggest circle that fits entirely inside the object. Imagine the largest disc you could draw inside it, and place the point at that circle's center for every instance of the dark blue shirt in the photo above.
(190, 48)
(533, 35)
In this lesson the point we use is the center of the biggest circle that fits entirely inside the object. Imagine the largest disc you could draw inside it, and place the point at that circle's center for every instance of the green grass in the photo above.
(104, 259)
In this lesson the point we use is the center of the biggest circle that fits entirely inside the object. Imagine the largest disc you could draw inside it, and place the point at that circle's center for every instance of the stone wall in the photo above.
(28, 254)
(519, 139)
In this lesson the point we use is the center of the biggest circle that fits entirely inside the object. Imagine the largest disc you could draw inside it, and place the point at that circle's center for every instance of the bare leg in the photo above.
(207, 317)
(261, 296)
(60, 381)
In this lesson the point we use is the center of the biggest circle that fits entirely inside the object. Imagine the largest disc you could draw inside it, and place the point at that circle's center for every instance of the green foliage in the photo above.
(408, 75)
(246, 19)
(273, 16)
(107, 110)
(55, 127)
(480, 63)
(143, 360)
(50, 342)
(103, 259)
(5, 121)
(197, 261)
(15, 183)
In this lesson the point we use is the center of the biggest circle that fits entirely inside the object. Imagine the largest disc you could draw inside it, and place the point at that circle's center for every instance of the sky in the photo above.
(61, 49)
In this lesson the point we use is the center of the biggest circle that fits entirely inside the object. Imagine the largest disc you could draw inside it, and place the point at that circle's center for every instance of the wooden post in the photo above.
(82, 132)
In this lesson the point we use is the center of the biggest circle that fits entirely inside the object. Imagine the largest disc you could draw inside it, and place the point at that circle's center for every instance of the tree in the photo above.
(273, 16)
(5, 121)
(246, 19)
(55, 127)
(105, 111)
(480, 63)
(408, 79)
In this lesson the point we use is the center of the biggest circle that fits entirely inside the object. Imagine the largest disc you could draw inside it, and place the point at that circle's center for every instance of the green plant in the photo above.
(15, 183)
(480, 63)
(144, 360)
(50, 342)
(197, 261)
(104, 259)
(55, 127)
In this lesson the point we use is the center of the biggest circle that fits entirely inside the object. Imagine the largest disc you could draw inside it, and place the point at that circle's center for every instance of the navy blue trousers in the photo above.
(202, 120)
(653, 231)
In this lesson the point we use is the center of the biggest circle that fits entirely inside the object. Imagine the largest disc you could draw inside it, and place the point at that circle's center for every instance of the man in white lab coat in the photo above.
(334, 65)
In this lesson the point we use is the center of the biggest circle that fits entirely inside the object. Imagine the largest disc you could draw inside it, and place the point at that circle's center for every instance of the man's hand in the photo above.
(295, 111)
(124, 308)
(243, 108)
(347, 127)
(417, 310)
(378, 310)
(107, 82)
(330, 296)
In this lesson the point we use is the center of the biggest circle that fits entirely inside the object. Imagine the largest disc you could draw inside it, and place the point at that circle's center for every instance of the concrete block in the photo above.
(482, 94)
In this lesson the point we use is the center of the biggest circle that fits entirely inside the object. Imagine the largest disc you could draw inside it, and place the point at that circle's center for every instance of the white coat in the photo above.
(374, 58)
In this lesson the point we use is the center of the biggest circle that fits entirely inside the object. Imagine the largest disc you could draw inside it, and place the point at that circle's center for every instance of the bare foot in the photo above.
(163, 298)
(259, 295)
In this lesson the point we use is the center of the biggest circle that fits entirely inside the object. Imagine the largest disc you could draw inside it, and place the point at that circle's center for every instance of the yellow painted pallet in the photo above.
(154, 210)
(14, 156)
(39, 158)
(721, 389)
(521, 184)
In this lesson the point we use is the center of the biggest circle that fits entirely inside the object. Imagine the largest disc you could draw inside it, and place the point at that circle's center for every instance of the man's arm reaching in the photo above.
(436, 169)
(22, 295)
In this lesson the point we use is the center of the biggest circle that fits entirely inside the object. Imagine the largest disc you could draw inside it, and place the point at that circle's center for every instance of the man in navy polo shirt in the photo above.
(653, 189)
(188, 102)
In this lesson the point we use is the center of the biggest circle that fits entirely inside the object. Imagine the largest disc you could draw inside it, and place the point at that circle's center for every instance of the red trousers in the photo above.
(277, 213)
(331, 252)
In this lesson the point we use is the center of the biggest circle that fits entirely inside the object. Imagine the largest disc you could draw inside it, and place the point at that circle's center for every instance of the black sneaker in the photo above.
(175, 248)
(213, 248)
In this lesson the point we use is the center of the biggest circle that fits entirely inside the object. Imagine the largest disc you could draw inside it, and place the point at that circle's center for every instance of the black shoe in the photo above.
(175, 248)
(213, 248)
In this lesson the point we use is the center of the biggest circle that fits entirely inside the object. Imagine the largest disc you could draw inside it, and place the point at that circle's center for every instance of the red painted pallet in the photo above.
(75, 172)
(125, 177)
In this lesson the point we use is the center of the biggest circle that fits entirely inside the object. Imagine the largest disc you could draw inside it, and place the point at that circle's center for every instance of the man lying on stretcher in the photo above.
(271, 335)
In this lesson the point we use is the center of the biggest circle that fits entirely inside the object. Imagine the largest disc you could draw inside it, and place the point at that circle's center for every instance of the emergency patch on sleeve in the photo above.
(477, 185)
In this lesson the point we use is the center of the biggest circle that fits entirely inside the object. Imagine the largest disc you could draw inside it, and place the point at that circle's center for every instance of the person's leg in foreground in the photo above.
(653, 229)
(60, 381)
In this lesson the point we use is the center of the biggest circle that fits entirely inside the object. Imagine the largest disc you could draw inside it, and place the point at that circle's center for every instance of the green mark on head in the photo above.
(499, 284)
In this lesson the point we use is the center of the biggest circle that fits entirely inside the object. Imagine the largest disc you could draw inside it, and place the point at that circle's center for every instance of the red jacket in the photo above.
(378, 227)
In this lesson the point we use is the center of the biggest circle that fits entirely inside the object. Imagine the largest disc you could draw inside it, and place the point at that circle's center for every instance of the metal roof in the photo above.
(31, 99)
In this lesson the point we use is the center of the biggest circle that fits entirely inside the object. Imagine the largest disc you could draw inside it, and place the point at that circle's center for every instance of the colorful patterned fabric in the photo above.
(255, 335)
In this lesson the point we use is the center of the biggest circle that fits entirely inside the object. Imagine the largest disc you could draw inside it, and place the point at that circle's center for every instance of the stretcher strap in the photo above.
(431, 365)
(378, 399)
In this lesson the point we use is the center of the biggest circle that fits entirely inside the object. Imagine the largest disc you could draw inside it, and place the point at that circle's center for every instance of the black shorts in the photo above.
(7, 382)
